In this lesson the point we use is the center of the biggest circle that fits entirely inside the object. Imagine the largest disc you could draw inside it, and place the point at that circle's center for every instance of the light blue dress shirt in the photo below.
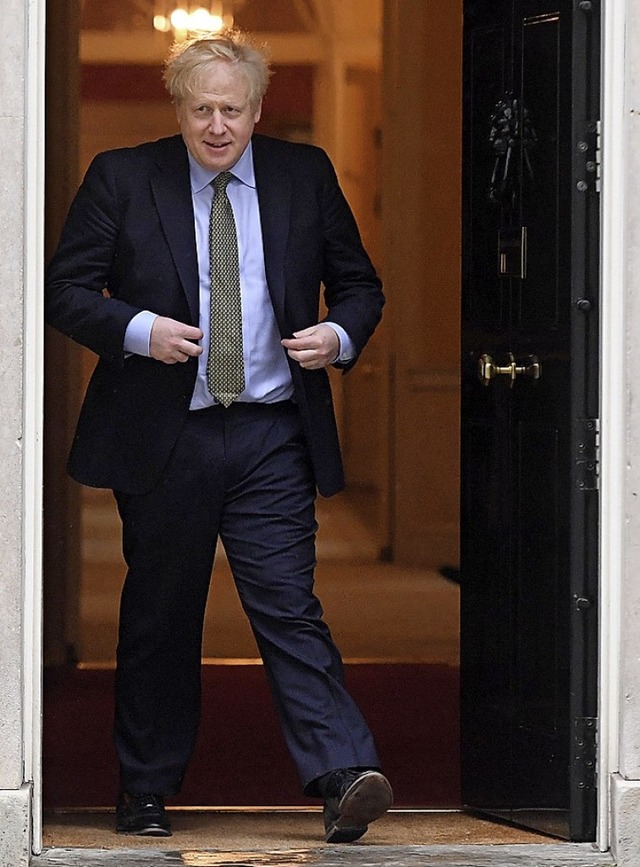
(267, 374)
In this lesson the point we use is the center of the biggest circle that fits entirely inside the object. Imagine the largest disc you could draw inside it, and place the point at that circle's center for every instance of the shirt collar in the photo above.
(242, 170)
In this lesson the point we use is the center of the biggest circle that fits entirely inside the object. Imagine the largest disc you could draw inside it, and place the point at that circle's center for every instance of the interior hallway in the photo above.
(377, 611)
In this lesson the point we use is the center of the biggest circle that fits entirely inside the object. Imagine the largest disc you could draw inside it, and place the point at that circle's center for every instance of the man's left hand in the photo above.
(314, 347)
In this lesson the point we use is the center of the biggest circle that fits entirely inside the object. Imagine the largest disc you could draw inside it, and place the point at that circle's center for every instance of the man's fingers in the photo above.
(313, 347)
(173, 341)
(189, 332)
(301, 341)
(189, 348)
(299, 344)
(321, 337)
(307, 332)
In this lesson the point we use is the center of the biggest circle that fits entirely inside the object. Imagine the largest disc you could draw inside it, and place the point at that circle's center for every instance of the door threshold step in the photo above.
(359, 855)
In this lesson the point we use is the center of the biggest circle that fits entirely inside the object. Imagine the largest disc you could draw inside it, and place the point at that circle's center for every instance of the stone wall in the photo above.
(14, 800)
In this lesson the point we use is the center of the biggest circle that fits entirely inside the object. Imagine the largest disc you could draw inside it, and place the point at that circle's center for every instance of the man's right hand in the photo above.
(172, 341)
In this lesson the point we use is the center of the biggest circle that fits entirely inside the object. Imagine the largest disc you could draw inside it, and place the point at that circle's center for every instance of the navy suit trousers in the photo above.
(242, 474)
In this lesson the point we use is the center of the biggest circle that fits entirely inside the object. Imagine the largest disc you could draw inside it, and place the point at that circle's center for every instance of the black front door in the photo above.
(530, 412)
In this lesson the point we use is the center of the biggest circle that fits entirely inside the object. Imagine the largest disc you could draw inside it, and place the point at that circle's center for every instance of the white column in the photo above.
(21, 79)
(12, 201)
(624, 611)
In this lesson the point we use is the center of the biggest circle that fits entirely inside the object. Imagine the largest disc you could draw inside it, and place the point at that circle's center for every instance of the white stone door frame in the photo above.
(612, 410)
(34, 67)
(615, 16)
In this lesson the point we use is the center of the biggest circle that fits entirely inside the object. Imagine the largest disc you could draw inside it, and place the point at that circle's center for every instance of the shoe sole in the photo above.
(149, 831)
(368, 798)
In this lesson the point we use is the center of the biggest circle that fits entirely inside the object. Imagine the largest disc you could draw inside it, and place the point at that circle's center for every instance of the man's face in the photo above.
(217, 121)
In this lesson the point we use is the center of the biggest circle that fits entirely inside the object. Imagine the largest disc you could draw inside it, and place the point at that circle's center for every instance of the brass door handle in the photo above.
(488, 369)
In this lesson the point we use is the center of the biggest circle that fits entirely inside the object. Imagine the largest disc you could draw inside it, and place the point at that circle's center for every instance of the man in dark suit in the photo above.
(192, 266)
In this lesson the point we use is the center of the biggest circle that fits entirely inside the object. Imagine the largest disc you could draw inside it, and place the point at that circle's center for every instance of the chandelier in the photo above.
(186, 18)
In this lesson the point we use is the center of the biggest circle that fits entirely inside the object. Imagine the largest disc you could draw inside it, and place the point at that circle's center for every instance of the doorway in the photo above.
(363, 543)
(411, 382)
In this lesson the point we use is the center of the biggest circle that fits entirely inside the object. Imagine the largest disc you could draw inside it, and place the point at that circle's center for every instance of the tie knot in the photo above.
(220, 182)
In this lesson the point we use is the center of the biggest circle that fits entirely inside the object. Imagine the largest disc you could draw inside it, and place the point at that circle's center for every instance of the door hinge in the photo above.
(590, 148)
(598, 155)
(585, 740)
(587, 462)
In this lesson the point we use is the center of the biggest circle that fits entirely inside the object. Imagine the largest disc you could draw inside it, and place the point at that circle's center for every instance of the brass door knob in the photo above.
(488, 369)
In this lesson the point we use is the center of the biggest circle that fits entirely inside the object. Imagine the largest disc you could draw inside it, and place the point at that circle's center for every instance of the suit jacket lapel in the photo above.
(273, 184)
(171, 188)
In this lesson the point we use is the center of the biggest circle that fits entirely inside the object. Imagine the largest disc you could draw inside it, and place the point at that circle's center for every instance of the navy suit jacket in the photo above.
(129, 245)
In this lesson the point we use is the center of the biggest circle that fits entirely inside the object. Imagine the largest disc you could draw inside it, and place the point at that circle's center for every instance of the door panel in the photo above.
(545, 173)
(529, 356)
(485, 299)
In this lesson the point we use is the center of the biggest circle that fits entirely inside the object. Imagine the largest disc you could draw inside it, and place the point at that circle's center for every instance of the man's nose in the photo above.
(217, 123)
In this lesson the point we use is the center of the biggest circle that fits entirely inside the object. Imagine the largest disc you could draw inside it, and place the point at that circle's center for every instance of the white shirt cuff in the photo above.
(347, 350)
(137, 337)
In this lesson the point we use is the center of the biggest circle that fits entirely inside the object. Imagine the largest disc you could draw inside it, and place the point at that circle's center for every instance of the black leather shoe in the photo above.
(142, 814)
(352, 799)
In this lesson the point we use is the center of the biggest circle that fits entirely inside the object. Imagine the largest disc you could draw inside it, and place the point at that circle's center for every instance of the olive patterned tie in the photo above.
(225, 362)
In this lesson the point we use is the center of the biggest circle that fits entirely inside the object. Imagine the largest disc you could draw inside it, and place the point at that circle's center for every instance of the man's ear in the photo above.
(258, 112)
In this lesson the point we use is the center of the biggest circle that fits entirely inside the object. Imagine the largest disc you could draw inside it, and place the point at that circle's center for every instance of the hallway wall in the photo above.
(422, 101)
(63, 374)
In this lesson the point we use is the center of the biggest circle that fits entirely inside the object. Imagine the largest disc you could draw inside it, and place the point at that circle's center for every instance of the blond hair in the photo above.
(188, 60)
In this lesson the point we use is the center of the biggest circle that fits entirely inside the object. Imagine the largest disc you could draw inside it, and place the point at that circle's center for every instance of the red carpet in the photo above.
(240, 759)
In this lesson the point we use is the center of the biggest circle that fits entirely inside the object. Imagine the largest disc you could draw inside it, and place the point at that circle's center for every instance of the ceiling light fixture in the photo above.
(188, 19)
